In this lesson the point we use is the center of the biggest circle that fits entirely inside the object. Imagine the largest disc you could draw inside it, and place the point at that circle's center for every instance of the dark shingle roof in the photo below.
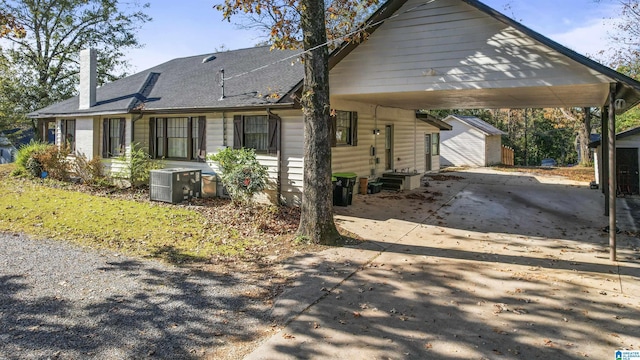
(597, 139)
(477, 123)
(253, 77)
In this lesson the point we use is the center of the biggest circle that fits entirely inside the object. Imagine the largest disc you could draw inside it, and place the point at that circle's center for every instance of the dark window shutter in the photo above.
(105, 138)
(274, 133)
(123, 123)
(152, 137)
(202, 128)
(354, 128)
(332, 130)
(63, 134)
(238, 132)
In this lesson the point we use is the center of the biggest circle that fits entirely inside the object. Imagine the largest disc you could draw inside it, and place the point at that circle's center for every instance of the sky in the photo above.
(194, 27)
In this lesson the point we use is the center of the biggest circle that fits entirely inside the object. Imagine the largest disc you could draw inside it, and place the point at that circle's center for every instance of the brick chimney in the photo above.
(88, 78)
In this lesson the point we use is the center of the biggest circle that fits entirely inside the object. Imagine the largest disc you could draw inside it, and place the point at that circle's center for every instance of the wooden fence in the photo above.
(507, 156)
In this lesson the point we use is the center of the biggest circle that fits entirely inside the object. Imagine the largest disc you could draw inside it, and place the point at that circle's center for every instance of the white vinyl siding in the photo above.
(447, 47)
(462, 146)
(408, 141)
(494, 150)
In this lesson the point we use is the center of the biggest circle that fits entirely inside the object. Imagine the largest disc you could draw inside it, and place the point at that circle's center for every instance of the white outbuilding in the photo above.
(471, 142)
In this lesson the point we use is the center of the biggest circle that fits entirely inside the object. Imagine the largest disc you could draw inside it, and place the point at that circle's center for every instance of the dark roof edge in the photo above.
(463, 119)
(620, 135)
(558, 47)
(212, 109)
(170, 111)
(434, 121)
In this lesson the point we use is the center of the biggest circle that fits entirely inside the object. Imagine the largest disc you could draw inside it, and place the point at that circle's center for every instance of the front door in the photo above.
(427, 152)
(388, 147)
(627, 170)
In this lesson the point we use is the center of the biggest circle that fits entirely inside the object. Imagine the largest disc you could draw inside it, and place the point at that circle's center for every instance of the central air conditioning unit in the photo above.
(175, 185)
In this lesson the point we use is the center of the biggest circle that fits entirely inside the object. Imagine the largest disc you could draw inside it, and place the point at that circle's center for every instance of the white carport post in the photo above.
(612, 171)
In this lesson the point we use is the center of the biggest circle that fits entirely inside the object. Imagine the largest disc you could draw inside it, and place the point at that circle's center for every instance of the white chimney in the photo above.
(88, 78)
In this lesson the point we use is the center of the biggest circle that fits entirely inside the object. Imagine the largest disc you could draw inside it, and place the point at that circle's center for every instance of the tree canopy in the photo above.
(312, 26)
(41, 64)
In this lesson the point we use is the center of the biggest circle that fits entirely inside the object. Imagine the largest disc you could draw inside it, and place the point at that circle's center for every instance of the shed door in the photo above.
(627, 170)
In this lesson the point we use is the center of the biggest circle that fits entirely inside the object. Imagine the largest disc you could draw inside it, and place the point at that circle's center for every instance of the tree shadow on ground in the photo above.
(419, 302)
(146, 312)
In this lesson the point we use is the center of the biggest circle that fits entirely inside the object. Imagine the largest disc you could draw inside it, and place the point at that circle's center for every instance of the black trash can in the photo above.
(343, 188)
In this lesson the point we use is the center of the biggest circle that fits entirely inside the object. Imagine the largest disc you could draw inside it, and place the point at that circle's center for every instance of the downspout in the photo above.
(278, 163)
(415, 146)
(133, 126)
(375, 141)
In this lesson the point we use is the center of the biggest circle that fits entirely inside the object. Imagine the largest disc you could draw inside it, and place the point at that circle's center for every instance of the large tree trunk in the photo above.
(316, 218)
(584, 131)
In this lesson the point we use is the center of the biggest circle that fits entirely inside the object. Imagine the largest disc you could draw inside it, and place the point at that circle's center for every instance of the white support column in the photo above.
(612, 172)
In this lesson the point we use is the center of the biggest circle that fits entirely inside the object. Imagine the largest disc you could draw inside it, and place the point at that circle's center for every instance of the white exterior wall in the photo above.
(84, 137)
(408, 141)
(493, 154)
(464, 145)
(458, 31)
(220, 135)
(408, 145)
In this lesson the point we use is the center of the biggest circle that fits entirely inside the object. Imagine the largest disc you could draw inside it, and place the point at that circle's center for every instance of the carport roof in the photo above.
(593, 92)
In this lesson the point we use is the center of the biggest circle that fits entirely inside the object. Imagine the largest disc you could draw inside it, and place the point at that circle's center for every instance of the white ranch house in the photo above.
(441, 54)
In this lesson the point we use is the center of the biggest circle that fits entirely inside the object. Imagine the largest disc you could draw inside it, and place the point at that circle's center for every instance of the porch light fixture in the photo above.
(376, 131)
(619, 104)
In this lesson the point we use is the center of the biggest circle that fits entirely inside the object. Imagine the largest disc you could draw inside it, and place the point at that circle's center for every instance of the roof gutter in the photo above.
(165, 111)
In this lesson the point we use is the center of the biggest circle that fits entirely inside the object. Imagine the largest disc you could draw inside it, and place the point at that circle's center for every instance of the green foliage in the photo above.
(138, 166)
(534, 134)
(25, 153)
(127, 226)
(628, 120)
(242, 174)
(44, 63)
(36, 157)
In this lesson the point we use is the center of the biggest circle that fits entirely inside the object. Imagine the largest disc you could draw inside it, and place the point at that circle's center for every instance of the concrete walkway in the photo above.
(479, 265)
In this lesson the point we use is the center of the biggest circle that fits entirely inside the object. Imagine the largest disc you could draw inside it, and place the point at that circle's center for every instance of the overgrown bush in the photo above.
(36, 157)
(90, 172)
(54, 161)
(138, 166)
(242, 174)
(23, 163)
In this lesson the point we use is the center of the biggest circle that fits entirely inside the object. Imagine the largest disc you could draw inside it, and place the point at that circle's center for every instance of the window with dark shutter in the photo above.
(113, 137)
(181, 138)
(344, 128)
(258, 132)
(274, 133)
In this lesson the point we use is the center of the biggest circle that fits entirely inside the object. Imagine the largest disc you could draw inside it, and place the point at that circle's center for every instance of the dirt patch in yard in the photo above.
(576, 173)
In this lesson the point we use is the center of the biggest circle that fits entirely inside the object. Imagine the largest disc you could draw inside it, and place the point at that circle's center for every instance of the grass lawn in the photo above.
(129, 223)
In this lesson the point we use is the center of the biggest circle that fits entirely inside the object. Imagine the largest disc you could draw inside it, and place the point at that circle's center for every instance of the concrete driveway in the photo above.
(479, 265)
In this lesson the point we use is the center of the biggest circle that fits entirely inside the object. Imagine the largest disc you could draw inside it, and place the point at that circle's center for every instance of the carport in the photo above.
(462, 54)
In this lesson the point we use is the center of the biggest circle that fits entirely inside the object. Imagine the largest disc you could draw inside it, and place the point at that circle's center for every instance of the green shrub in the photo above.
(24, 154)
(138, 165)
(242, 174)
(33, 167)
(36, 157)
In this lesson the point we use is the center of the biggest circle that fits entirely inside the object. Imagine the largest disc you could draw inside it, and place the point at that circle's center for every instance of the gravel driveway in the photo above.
(64, 302)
